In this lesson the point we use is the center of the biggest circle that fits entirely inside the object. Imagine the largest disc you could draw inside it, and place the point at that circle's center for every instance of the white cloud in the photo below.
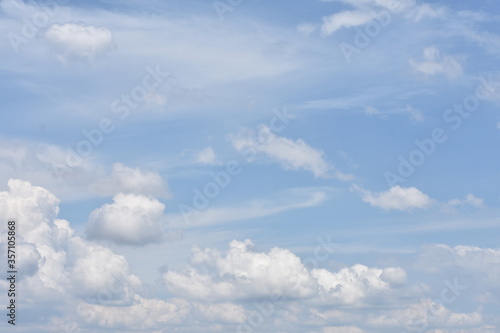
(366, 11)
(241, 273)
(58, 264)
(351, 284)
(207, 156)
(469, 200)
(87, 286)
(79, 41)
(345, 19)
(124, 179)
(130, 219)
(435, 63)
(398, 198)
(291, 155)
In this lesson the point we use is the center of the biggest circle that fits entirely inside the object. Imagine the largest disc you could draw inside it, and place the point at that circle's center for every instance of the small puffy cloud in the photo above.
(207, 156)
(291, 155)
(435, 63)
(131, 219)
(469, 200)
(396, 198)
(125, 179)
(79, 41)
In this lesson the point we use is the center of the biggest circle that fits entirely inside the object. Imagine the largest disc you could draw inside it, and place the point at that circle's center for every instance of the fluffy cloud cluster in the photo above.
(291, 155)
(244, 274)
(87, 286)
(57, 262)
(79, 41)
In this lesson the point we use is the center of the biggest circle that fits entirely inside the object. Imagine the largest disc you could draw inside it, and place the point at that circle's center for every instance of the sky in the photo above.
(251, 166)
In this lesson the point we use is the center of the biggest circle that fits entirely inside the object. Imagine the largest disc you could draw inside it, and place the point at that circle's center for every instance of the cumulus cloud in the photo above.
(435, 63)
(131, 219)
(396, 198)
(351, 284)
(207, 156)
(79, 41)
(291, 155)
(57, 264)
(242, 273)
(87, 286)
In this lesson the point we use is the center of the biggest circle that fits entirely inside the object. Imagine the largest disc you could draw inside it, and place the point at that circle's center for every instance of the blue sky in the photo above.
(174, 166)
